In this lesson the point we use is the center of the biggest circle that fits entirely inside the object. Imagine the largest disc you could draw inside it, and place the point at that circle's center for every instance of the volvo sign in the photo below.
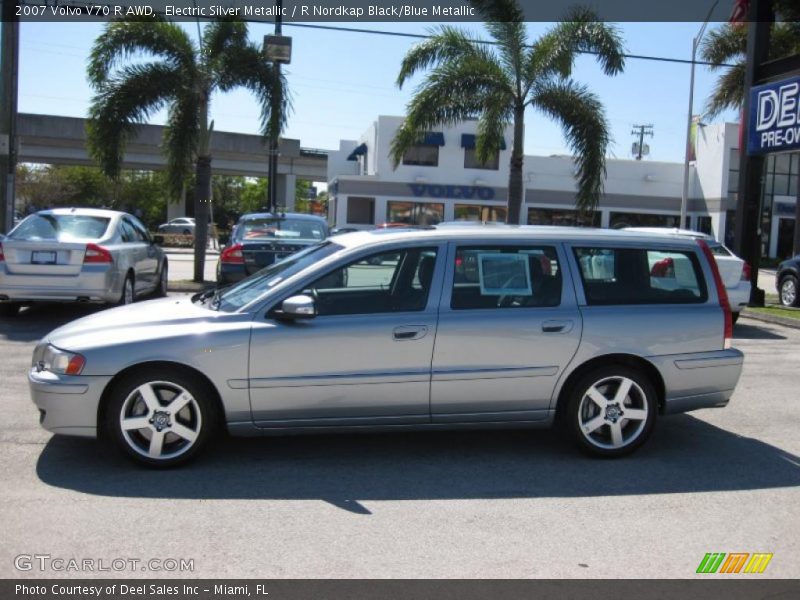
(774, 124)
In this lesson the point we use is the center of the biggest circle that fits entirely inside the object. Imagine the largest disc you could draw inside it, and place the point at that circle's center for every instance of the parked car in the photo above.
(786, 280)
(79, 255)
(594, 344)
(734, 270)
(182, 225)
(260, 239)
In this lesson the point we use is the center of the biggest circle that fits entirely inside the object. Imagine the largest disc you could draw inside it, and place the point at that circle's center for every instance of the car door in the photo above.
(508, 326)
(365, 358)
(146, 255)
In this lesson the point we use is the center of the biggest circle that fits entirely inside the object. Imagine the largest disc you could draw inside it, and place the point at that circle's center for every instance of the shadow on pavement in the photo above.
(754, 332)
(685, 454)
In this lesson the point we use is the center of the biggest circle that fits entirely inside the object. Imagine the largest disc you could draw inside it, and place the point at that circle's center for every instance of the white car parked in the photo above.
(735, 271)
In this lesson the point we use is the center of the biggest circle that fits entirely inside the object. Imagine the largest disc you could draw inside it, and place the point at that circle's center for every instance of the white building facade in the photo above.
(442, 180)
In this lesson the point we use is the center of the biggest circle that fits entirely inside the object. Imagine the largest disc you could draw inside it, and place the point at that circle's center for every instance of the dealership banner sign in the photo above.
(774, 123)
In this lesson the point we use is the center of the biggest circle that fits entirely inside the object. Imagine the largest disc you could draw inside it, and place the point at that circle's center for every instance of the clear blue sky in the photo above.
(341, 81)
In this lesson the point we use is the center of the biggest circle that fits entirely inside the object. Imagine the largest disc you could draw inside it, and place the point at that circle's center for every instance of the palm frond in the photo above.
(125, 39)
(584, 125)
(492, 123)
(220, 36)
(452, 92)
(123, 102)
(499, 11)
(724, 45)
(582, 31)
(728, 92)
(445, 44)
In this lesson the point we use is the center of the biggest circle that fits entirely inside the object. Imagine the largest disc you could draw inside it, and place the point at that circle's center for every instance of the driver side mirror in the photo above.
(298, 307)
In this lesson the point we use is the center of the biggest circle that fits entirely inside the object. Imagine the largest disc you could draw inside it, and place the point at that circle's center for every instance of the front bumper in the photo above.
(67, 403)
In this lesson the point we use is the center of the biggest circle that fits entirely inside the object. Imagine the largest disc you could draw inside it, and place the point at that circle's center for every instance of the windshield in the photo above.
(247, 290)
(267, 228)
(62, 228)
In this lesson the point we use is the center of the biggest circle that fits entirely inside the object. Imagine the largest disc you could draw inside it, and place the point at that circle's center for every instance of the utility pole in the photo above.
(641, 131)
(9, 71)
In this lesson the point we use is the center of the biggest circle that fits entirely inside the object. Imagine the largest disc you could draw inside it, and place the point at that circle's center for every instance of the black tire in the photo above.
(735, 317)
(163, 280)
(577, 413)
(199, 417)
(789, 291)
(187, 232)
(124, 297)
(9, 309)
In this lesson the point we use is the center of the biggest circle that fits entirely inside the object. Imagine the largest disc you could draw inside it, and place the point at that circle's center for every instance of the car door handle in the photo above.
(557, 326)
(409, 332)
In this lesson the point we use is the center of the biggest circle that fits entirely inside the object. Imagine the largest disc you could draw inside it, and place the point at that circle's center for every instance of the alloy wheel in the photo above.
(789, 292)
(613, 412)
(160, 420)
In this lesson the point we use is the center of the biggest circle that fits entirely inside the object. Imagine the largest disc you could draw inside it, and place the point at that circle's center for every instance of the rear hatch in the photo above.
(260, 254)
(43, 257)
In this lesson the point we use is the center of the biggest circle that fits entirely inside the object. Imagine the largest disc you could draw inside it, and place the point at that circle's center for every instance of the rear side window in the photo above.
(506, 277)
(640, 276)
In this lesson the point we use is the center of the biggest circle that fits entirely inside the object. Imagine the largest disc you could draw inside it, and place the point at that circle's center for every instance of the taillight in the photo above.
(722, 294)
(2, 256)
(746, 272)
(232, 255)
(97, 254)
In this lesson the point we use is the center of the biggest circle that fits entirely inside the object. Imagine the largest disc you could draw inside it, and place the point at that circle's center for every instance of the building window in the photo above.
(414, 213)
(471, 160)
(475, 212)
(422, 155)
(569, 218)
(704, 225)
(361, 210)
(619, 220)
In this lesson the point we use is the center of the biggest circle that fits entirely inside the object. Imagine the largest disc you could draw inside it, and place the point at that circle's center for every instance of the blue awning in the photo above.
(359, 151)
(433, 138)
(468, 141)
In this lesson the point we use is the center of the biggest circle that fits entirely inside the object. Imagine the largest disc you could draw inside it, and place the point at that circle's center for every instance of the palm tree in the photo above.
(497, 82)
(170, 70)
(727, 45)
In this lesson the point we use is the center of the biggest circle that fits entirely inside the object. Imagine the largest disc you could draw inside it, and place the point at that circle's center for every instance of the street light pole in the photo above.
(273, 142)
(695, 45)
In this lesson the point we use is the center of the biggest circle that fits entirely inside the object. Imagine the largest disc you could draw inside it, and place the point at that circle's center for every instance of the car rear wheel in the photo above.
(128, 295)
(160, 418)
(788, 291)
(163, 280)
(611, 411)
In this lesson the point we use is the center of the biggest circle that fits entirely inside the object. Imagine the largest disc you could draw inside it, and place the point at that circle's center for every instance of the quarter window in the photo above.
(640, 276)
(396, 281)
(506, 277)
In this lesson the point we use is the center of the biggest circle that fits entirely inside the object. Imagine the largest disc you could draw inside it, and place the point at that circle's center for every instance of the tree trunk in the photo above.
(516, 189)
(202, 198)
(202, 194)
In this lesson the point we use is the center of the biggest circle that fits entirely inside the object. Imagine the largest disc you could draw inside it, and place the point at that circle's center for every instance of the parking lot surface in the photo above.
(468, 504)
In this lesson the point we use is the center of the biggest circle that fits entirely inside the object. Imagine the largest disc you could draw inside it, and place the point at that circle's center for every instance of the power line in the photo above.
(419, 36)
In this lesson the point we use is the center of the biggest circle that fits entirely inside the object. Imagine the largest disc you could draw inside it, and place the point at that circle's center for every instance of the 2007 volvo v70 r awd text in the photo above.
(445, 327)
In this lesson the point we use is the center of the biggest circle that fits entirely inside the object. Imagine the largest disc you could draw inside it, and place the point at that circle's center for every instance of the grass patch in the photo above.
(777, 311)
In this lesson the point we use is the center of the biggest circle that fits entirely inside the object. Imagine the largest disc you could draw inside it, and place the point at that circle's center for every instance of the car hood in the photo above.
(153, 319)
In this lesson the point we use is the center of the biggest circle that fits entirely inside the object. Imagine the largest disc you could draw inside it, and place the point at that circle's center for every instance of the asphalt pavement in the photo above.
(470, 504)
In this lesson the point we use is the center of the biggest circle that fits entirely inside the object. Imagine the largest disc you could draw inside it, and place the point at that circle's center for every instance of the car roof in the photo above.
(698, 235)
(89, 212)
(512, 232)
(268, 215)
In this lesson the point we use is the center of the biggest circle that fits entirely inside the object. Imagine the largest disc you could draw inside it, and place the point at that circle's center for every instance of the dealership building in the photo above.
(441, 179)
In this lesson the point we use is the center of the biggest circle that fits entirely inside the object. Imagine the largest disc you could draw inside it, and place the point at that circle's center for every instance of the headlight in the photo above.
(60, 361)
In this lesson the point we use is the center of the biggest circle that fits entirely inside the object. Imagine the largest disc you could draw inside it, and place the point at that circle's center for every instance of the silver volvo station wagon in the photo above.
(446, 327)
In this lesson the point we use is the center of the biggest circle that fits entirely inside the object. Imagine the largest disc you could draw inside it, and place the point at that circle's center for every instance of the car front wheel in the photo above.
(160, 418)
(611, 411)
(788, 291)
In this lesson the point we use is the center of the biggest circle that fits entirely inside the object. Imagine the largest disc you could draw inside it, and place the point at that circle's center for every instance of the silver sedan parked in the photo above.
(79, 255)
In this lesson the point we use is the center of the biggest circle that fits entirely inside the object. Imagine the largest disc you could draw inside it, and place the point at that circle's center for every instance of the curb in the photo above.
(774, 319)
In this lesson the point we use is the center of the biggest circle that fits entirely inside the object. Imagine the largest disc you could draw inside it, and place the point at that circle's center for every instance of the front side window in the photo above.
(506, 277)
(395, 281)
(640, 276)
